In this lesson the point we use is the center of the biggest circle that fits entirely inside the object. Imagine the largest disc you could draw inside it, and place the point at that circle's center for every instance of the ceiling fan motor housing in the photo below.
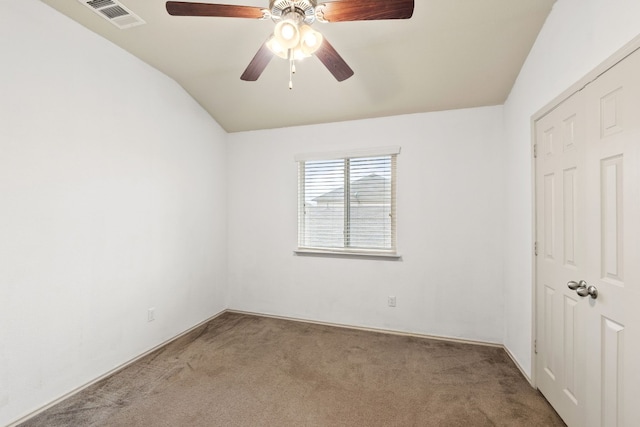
(282, 9)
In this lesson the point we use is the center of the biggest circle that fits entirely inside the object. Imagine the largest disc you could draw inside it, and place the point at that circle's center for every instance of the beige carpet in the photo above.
(241, 370)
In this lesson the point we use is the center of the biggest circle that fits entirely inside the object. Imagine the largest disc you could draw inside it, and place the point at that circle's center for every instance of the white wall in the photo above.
(450, 216)
(112, 200)
(577, 36)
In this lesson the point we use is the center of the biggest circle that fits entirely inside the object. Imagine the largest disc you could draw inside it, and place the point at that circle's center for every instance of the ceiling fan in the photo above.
(293, 38)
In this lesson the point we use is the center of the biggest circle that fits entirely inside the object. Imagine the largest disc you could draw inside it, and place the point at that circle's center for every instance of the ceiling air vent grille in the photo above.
(97, 4)
(114, 12)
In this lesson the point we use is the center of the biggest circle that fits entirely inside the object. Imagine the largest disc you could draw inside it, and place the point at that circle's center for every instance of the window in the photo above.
(346, 202)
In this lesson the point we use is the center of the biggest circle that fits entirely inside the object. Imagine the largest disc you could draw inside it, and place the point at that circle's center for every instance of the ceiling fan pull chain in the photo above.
(292, 69)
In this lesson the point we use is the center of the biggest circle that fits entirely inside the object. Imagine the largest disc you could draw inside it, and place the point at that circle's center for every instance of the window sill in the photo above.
(340, 254)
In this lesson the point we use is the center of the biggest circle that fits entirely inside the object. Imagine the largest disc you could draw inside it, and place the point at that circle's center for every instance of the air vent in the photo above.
(114, 12)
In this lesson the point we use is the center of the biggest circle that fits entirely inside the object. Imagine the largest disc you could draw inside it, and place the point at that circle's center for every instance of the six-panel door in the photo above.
(588, 229)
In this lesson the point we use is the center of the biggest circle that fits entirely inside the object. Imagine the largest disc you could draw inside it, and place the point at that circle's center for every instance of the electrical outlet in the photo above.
(391, 301)
(151, 314)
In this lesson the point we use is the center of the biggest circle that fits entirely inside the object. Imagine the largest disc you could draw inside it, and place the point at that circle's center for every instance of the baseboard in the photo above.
(111, 372)
(522, 371)
(369, 329)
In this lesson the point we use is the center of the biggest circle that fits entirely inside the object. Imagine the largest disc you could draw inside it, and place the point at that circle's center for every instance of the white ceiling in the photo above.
(451, 54)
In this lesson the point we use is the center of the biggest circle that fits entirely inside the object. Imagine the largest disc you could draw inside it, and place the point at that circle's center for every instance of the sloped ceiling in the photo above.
(451, 54)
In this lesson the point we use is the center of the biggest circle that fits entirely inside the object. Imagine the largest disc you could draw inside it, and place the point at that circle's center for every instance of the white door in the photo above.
(588, 234)
(560, 169)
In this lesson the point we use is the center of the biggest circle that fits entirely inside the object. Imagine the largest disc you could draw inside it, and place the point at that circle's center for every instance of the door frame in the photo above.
(588, 78)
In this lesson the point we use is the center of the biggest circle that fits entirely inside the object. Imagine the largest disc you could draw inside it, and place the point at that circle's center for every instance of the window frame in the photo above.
(347, 156)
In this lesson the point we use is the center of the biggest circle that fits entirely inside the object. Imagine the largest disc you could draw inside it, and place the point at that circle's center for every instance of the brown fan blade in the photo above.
(366, 10)
(333, 61)
(181, 8)
(257, 64)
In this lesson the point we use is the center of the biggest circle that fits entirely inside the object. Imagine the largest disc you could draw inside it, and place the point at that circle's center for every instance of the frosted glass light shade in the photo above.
(310, 40)
(287, 34)
(277, 49)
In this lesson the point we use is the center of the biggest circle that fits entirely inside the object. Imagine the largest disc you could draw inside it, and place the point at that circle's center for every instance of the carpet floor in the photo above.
(242, 370)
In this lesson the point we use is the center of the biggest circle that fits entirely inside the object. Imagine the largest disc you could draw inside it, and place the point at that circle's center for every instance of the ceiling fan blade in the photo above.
(333, 61)
(366, 10)
(181, 8)
(257, 64)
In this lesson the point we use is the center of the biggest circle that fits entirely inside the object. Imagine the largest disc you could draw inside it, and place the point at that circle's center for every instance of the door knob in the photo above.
(577, 285)
(591, 291)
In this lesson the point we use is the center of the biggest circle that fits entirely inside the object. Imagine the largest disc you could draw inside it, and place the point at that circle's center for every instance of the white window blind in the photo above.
(348, 204)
